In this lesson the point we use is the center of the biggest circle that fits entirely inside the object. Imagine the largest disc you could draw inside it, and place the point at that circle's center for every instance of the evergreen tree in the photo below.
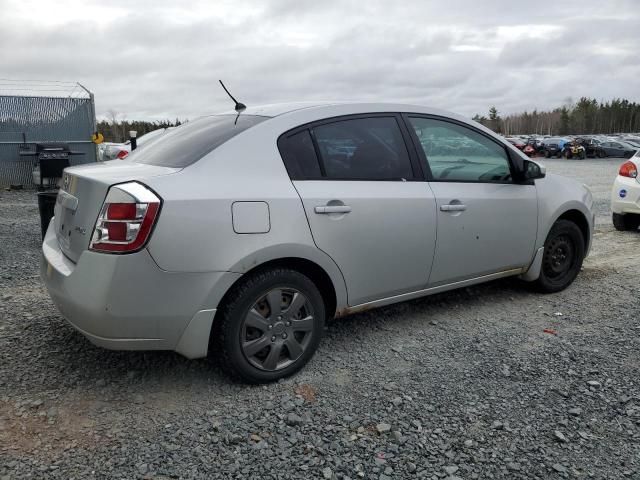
(495, 122)
(563, 128)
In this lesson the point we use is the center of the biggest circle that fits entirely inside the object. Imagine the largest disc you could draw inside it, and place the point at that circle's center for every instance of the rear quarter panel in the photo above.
(195, 230)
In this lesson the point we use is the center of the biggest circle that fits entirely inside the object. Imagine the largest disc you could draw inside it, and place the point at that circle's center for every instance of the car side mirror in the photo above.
(533, 170)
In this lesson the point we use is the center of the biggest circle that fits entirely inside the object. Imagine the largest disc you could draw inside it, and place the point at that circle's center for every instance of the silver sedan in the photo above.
(241, 234)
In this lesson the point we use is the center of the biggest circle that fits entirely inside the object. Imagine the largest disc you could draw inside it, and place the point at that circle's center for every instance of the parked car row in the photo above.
(625, 193)
(595, 146)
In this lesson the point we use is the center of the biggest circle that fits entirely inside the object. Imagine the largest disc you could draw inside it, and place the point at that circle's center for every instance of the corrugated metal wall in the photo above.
(25, 121)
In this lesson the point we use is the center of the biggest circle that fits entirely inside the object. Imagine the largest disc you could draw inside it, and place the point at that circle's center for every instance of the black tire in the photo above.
(547, 154)
(624, 222)
(562, 259)
(231, 326)
(602, 154)
(583, 155)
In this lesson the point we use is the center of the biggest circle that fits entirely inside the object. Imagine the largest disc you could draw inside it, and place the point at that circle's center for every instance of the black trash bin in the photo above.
(46, 204)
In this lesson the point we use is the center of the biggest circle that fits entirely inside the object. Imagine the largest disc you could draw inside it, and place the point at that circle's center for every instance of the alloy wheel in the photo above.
(277, 329)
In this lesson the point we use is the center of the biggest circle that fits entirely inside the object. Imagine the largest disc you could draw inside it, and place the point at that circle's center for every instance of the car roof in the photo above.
(278, 109)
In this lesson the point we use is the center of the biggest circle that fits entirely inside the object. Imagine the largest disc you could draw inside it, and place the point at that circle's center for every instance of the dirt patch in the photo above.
(29, 428)
(307, 392)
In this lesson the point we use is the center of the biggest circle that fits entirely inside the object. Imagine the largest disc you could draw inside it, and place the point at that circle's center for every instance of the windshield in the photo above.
(188, 143)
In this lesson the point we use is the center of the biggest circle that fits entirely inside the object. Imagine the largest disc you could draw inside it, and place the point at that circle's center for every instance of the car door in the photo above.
(620, 149)
(611, 149)
(367, 205)
(486, 222)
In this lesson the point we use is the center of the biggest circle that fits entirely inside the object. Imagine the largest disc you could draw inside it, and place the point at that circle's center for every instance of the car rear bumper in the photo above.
(625, 195)
(126, 302)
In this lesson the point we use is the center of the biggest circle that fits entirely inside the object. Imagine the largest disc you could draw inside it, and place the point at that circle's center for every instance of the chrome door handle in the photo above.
(455, 207)
(332, 209)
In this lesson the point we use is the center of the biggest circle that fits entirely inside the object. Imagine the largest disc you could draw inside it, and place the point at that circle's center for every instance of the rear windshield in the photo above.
(188, 143)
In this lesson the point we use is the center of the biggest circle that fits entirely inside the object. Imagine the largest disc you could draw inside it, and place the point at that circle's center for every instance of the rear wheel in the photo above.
(562, 258)
(269, 326)
(627, 221)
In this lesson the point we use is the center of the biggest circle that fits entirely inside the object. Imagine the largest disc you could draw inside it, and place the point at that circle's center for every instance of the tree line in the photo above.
(586, 116)
(117, 130)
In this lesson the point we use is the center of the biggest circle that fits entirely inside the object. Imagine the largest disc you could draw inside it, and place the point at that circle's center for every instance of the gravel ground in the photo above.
(486, 382)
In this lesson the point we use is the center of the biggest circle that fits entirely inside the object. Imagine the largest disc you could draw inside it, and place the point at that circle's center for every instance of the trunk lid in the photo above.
(82, 194)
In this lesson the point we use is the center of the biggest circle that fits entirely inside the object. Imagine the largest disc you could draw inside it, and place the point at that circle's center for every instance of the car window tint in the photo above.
(458, 154)
(363, 149)
(299, 156)
(191, 141)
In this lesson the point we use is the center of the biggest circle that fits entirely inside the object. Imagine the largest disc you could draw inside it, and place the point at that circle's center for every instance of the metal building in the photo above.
(33, 112)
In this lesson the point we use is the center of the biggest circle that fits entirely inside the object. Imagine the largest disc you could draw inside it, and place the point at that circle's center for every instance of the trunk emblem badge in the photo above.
(80, 230)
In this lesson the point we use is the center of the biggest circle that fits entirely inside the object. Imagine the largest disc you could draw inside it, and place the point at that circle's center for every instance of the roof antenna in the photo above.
(240, 107)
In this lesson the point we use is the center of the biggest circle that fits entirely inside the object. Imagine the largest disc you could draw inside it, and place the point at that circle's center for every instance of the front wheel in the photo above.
(562, 258)
(269, 326)
(602, 154)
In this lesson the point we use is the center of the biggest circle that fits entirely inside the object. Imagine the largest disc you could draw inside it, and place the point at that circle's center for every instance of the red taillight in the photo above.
(116, 231)
(628, 169)
(121, 211)
(126, 219)
(122, 154)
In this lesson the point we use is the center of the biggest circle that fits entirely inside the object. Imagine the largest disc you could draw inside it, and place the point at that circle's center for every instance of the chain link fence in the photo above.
(28, 120)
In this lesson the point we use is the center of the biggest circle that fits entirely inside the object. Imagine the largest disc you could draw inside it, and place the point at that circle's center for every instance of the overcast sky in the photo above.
(162, 59)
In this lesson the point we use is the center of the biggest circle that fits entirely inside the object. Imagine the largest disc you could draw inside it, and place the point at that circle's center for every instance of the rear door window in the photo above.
(191, 141)
(363, 149)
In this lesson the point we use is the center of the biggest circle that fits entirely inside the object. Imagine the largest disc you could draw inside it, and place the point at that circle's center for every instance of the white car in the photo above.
(120, 151)
(625, 195)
